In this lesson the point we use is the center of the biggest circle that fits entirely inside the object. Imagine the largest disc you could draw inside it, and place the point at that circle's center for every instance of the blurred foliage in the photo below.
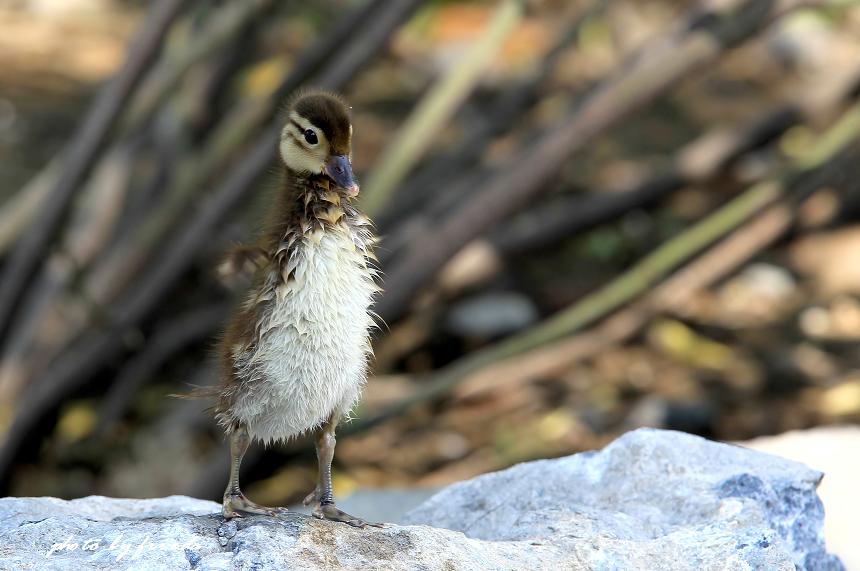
(760, 342)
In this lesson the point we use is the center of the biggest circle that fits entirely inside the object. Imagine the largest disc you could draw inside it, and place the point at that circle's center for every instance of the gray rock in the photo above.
(650, 500)
(491, 314)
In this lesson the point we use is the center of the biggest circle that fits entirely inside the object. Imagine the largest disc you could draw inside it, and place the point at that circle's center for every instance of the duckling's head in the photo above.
(317, 139)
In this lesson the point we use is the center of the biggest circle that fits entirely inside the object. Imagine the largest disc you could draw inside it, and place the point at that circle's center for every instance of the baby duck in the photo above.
(295, 354)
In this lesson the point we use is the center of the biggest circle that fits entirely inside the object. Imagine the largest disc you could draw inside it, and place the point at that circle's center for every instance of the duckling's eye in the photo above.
(311, 137)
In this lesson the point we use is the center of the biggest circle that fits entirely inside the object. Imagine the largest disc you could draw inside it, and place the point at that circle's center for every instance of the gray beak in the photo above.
(338, 168)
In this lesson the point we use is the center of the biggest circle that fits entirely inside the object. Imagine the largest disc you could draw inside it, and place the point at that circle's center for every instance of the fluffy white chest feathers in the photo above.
(310, 360)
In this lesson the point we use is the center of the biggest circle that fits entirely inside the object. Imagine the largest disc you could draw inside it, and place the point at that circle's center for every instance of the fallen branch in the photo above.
(436, 107)
(698, 162)
(80, 156)
(130, 250)
(223, 27)
(19, 210)
(166, 340)
(572, 214)
(439, 179)
(359, 50)
(706, 158)
(90, 351)
(672, 295)
(636, 85)
(806, 175)
(84, 238)
(128, 256)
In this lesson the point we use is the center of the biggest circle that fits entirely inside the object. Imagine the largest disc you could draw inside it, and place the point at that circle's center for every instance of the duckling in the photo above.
(294, 356)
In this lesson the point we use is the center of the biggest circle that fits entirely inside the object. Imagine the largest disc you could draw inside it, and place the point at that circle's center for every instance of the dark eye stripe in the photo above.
(299, 133)
(309, 135)
(297, 140)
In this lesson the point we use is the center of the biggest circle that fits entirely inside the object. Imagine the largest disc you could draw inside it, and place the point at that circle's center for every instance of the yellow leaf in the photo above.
(264, 77)
(76, 421)
(842, 399)
(555, 425)
(684, 344)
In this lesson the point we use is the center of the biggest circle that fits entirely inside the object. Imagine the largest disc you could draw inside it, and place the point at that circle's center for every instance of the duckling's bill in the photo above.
(339, 169)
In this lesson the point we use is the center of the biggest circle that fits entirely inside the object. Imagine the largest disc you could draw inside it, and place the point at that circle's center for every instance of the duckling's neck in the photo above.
(307, 203)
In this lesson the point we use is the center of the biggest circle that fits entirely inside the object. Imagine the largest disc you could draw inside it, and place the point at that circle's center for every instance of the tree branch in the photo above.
(804, 176)
(436, 107)
(634, 86)
(82, 359)
(81, 155)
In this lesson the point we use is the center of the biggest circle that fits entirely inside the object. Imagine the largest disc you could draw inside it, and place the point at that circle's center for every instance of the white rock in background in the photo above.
(650, 500)
(836, 451)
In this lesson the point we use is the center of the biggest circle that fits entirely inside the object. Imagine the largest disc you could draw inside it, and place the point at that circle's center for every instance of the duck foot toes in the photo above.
(238, 505)
(332, 513)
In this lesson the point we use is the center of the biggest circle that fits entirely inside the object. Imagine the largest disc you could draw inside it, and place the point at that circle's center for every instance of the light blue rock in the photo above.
(651, 500)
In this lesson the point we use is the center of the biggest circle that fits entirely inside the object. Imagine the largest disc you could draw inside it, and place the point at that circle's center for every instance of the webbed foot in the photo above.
(238, 505)
(332, 513)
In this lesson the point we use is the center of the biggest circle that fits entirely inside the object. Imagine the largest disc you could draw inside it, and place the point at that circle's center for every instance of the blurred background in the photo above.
(595, 216)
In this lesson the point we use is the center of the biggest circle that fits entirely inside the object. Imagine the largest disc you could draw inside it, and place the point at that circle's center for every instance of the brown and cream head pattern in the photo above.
(317, 139)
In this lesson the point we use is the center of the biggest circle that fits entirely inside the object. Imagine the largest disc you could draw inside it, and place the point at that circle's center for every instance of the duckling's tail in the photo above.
(198, 393)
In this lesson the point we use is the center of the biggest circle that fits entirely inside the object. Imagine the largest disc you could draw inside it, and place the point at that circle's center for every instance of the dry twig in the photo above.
(816, 168)
(703, 40)
(90, 351)
(80, 156)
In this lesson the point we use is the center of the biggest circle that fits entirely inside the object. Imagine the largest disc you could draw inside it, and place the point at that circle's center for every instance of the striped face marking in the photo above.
(317, 139)
(304, 146)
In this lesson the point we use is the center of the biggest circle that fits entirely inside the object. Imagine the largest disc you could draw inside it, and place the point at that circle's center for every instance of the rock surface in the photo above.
(650, 500)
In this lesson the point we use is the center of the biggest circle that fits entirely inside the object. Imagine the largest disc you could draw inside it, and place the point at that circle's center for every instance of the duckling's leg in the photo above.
(323, 496)
(235, 503)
